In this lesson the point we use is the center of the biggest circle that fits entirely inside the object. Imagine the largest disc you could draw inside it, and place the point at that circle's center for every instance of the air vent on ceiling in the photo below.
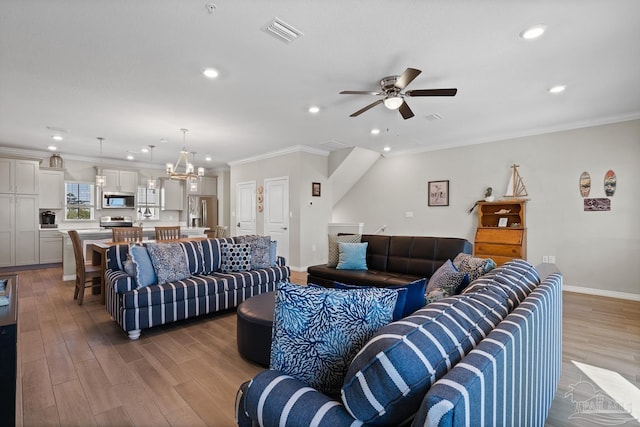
(283, 31)
(434, 116)
(334, 145)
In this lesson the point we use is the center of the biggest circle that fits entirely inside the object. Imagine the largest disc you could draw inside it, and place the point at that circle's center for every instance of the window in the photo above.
(80, 201)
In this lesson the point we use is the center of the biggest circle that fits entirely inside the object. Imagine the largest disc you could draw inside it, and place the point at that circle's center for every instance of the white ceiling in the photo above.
(129, 71)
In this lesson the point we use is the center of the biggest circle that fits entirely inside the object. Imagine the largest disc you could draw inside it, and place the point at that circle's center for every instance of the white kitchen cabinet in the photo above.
(207, 186)
(51, 189)
(172, 195)
(19, 230)
(18, 176)
(120, 181)
(50, 246)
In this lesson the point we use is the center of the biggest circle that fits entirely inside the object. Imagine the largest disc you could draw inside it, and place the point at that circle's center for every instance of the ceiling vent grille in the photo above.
(434, 116)
(334, 145)
(283, 31)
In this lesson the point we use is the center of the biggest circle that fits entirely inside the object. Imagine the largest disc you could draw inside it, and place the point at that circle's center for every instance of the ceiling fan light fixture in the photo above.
(393, 102)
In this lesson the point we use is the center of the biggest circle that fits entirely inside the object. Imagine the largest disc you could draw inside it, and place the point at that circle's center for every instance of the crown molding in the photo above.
(278, 153)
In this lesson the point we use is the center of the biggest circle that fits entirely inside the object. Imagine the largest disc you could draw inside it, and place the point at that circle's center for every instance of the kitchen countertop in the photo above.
(108, 232)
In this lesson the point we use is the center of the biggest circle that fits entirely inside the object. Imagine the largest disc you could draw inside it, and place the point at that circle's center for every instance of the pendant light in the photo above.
(151, 182)
(101, 180)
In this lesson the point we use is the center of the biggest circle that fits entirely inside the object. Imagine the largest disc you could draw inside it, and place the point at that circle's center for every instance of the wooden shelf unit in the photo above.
(501, 244)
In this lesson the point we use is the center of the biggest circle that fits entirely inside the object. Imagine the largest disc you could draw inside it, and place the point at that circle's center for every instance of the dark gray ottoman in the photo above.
(255, 320)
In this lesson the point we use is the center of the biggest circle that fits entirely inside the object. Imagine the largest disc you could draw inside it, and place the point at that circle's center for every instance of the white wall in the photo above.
(307, 223)
(596, 250)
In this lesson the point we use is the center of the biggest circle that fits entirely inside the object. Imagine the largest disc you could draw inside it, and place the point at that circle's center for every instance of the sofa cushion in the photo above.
(447, 278)
(178, 292)
(193, 255)
(211, 253)
(389, 376)
(273, 253)
(352, 256)
(333, 246)
(143, 270)
(317, 331)
(517, 278)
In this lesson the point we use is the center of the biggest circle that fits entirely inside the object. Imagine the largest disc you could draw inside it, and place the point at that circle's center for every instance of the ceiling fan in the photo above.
(392, 87)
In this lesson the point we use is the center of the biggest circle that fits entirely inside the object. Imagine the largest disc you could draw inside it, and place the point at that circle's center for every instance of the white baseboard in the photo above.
(69, 277)
(601, 292)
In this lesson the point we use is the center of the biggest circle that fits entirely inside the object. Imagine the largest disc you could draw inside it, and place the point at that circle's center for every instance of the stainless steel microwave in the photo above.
(118, 200)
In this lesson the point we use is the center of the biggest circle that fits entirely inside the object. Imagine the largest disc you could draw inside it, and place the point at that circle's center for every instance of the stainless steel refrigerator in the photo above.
(203, 211)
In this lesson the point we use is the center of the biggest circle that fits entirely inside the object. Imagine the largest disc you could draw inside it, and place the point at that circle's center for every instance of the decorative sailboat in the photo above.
(516, 188)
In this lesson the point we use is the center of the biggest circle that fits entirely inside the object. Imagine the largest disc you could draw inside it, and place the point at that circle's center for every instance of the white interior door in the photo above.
(276, 212)
(245, 208)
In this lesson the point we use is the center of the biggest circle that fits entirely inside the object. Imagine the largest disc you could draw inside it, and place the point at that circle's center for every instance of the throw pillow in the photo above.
(473, 266)
(352, 256)
(334, 239)
(169, 262)
(273, 253)
(143, 270)
(193, 255)
(317, 331)
(398, 311)
(447, 278)
(260, 247)
(235, 257)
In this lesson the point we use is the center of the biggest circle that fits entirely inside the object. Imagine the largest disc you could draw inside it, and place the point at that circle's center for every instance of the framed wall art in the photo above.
(315, 189)
(438, 193)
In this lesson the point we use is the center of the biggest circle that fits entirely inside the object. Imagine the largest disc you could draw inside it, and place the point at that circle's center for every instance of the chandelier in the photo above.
(101, 180)
(188, 171)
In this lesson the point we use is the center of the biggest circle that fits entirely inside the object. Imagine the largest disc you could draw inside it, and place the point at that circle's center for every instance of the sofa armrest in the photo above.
(280, 261)
(274, 398)
(120, 281)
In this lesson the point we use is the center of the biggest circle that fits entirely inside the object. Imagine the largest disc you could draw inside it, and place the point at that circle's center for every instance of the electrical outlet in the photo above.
(552, 259)
(545, 258)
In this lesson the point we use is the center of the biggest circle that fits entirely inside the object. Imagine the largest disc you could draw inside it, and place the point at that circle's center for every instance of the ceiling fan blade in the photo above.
(432, 92)
(406, 78)
(368, 107)
(405, 111)
(359, 92)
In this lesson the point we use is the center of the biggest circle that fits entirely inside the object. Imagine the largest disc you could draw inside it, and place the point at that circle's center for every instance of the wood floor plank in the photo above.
(187, 373)
(73, 406)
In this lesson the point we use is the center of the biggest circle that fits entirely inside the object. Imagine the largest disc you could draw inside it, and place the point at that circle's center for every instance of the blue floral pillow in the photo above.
(318, 331)
(235, 257)
(260, 248)
(169, 262)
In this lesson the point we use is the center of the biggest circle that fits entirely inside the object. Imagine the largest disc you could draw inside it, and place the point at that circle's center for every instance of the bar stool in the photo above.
(85, 272)
(168, 233)
(127, 234)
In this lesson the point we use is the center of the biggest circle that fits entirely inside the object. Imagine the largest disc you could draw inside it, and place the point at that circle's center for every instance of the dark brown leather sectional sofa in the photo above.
(394, 260)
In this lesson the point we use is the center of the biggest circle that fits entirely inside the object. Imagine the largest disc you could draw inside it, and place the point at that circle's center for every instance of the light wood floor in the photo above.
(77, 368)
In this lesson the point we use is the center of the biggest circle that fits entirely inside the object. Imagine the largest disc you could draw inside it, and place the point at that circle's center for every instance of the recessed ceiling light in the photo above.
(210, 73)
(557, 89)
(314, 109)
(533, 32)
(387, 148)
(57, 137)
(52, 147)
(208, 158)
(144, 150)
(375, 131)
(129, 156)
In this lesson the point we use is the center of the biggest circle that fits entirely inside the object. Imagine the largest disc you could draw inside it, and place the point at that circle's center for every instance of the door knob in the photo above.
(284, 228)
(238, 225)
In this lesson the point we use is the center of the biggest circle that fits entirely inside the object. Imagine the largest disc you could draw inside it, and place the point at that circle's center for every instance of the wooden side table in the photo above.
(8, 354)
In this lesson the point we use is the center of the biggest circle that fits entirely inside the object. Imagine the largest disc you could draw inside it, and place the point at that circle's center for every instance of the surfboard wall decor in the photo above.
(610, 182)
(585, 184)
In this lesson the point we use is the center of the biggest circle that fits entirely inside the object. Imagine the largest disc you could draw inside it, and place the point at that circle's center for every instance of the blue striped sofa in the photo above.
(207, 290)
(490, 356)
